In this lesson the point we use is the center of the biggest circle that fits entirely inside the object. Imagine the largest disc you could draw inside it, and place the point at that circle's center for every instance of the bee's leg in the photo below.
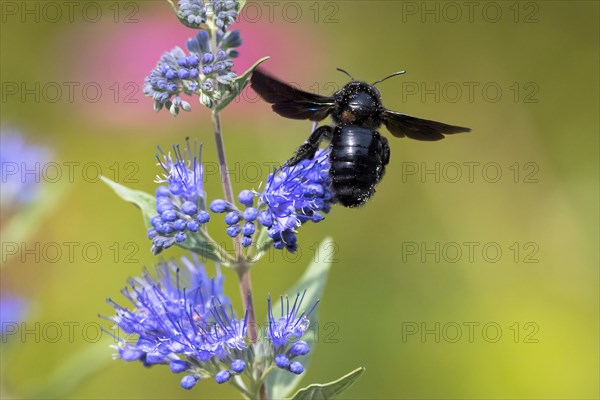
(385, 156)
(309, 148)
(385, 151)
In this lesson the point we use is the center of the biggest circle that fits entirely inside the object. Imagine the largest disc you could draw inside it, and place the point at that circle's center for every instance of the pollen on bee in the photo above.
(348, 117)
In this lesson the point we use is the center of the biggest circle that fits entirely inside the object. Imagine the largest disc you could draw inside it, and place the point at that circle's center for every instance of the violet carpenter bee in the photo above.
(359, 154)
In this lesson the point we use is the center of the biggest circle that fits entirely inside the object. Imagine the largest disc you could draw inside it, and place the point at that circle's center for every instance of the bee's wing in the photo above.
(401, 125)
(290, 102)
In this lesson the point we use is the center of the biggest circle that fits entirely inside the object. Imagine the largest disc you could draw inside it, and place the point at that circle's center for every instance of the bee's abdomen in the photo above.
(357, 164)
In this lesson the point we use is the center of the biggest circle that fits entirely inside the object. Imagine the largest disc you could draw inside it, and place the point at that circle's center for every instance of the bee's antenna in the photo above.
(388, 77)
(346, 72)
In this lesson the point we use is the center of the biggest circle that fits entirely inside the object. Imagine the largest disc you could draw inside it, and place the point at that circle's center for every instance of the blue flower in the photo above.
(223, 376)
(238, 222)
(195, 13)
(164, 83)
(189, 381)
(295, 195)
(292, 196)
(290, 324)
(238, 366)
(296, 367)
(183, 174)
(226, 12)
(284, 333)
(22, 165)
(215, 66)
(13, 310)
(181, 204)
(181, 318)
(204, 72)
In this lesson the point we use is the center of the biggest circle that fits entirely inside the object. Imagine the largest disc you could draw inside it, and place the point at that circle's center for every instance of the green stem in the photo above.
(222, 160)
(243, 271)
(225, 180)
(262, 392)
(261, 385)
(241, 265)
(239, 387)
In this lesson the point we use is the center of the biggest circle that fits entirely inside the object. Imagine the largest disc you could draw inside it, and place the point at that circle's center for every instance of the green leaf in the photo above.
(205, 100)
(241, 4)
(172, 5)
(237, 86)
(331, 390)
(202, 247)
(197, 243)
(144, 201)
(263, 241)
(281, 383)
(28, 218)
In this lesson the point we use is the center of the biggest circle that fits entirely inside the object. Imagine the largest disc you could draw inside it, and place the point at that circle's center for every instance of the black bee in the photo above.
(359, 153)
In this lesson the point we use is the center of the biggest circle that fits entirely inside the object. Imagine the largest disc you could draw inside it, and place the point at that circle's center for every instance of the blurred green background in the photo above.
(425, 321)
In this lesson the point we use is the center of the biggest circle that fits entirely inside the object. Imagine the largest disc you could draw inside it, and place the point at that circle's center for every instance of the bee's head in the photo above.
(358, 103)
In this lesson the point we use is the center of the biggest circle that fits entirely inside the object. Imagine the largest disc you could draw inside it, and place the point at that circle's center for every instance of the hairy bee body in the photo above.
(358, 159)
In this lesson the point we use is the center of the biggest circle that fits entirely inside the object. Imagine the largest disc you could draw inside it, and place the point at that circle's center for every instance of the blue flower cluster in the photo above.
(236, 220)
(292, 196)
(295, 195)
(282, 331)
(180, 205)
(195, 13)
(183, 319)
(180, 313)
(22, 163)
(13, 310)
(204, 72)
